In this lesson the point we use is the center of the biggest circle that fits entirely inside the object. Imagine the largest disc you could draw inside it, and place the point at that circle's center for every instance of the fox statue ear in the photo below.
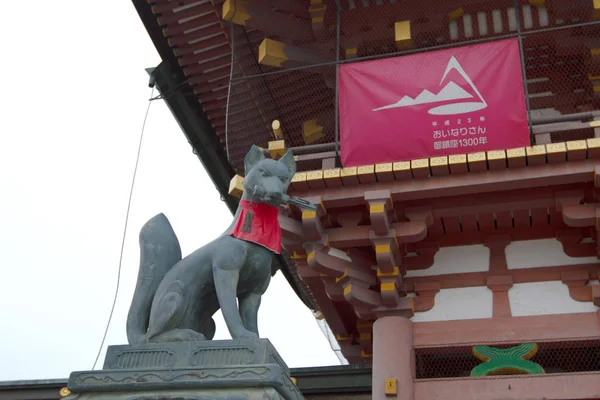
(254, 156)
(289, 162)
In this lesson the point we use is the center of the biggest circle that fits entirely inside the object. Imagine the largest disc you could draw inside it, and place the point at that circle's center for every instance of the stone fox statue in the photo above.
(175, 298)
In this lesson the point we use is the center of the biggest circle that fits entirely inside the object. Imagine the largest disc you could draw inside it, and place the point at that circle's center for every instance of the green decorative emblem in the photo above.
(512, 361)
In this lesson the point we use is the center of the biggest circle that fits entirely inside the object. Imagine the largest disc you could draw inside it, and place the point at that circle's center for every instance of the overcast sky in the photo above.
(74, 94)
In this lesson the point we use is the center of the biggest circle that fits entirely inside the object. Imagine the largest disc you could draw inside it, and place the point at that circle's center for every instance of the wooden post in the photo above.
(393, 359)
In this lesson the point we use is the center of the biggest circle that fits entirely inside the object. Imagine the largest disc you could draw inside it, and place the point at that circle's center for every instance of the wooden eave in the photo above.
(375, 223)
(451, 175)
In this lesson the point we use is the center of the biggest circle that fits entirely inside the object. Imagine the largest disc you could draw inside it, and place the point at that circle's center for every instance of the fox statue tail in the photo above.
(159, 252)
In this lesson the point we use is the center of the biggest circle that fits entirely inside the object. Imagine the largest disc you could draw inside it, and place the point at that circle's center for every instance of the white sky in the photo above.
(74, 93)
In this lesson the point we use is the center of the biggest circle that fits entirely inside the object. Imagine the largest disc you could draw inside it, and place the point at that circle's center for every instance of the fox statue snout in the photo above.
(175, 298)
(262, 195)
(272, 198)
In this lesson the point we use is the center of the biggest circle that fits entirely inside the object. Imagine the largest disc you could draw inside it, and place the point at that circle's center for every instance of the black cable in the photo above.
(137, 161)
(169, 92)
(232, 34)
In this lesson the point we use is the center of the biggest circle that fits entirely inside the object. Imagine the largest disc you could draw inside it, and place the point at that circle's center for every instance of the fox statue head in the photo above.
(267, 180)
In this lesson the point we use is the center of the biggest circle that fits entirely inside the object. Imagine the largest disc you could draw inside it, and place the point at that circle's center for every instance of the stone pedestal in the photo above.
(210, 370)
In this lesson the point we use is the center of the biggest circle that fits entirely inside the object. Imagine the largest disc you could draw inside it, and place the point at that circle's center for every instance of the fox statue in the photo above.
(175, 298)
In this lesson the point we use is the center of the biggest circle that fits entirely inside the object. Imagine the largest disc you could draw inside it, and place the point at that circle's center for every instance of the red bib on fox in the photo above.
(258, 223)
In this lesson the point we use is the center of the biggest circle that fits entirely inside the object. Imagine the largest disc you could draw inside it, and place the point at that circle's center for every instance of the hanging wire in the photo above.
(168, 93)
(137, 161)
(337, 80)
(524, 71)
(232, 34)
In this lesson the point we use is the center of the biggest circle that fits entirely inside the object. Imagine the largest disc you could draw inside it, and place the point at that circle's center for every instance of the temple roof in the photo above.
(232, 68)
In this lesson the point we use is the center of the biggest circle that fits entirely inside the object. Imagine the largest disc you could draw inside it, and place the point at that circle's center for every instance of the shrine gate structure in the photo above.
(456, 259)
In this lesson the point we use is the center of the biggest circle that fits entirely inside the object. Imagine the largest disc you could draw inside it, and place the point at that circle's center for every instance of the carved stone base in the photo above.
(215, 370)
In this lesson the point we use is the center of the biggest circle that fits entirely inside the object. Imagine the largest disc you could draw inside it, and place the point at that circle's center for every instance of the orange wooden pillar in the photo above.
(393, 359)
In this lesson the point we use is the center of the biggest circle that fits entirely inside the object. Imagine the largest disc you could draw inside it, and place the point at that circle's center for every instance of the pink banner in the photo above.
(456, 101)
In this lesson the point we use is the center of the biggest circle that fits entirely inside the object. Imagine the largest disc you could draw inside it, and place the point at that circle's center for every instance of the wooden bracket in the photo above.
(359, 296)
(425, 257)
(577, 283)
(391, 287)
(580, 215)
(311, 220)
(419, 214)
(317, 10)
(405, 308)
(596, 294)
(571, 243)
(365, 332)
(350, 349)
(321, 261)
(387, 253)
(318, 289)
(291, 229)
(380, 204)
(500, 286)
(426, 292)
(568, 198)
(497, 245)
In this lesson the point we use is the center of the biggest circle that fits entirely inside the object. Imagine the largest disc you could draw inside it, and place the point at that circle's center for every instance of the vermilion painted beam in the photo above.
(291, 229)
(215, 45)
(163, 6)
(406, 232)
(476, 222)
(218, 77)
(465, 184)
(217, 96)
(201, 57)
(541, 70)
(332, 315)
(361, 297)
(215, 106)
(525, 199)
(197, 71)
(559, 100)
(219, 62)
(558, 84)
(197, 13)
(338, 264)
(581, 215)
(528, 275)
(489, 331)
(200, 39)
(212, 26)
(575, 386)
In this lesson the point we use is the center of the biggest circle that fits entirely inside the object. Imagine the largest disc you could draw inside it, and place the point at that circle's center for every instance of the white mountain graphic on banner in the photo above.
(450, 92)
